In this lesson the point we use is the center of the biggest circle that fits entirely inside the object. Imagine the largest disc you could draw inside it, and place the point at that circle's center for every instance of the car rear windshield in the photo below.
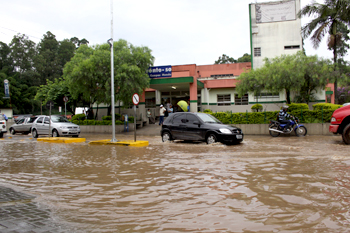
(208, 118)
(59, 119)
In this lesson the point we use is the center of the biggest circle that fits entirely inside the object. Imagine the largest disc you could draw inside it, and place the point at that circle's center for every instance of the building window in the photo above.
(292, 47)
(224, 100)
(241, 101)
(269, 95)
(221, 75)
(257, 52)
(151, 103)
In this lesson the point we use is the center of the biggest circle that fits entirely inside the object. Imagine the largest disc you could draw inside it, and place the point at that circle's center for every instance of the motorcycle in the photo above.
(276, 128)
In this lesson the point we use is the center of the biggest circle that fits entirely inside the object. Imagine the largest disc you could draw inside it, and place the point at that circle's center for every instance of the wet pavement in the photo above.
(265, 184)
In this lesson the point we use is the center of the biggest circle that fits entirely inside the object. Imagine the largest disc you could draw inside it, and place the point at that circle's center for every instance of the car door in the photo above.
(38, 124)
(45, 125)
(20, 125)
(192, 129)
(178, 125)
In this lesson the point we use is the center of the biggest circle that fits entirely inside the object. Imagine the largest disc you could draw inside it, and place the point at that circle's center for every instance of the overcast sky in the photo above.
(177, 31)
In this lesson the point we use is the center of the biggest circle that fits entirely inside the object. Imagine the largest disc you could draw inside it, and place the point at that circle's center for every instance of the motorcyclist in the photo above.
(282, 118)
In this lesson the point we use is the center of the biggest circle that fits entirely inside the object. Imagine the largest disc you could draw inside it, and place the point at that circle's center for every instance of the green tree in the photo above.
(224, 59)
(245, 58)
(55, 91)
(65, 52)
(89, 71)
(47, 62)
(6, 62)
(290, 73)
(328, 19)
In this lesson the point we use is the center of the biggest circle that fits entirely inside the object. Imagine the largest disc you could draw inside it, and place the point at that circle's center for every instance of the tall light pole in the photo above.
(110, 41)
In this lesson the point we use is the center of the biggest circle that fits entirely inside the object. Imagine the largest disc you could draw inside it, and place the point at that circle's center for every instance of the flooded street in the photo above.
(265, 184)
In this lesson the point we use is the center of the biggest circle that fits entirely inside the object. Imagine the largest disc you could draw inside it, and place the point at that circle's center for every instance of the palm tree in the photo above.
(330, 16)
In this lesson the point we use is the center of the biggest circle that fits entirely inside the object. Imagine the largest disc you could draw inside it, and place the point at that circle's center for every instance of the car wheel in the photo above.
(346, 134)
(35, 133)
(12, 131)
(211, 139)
(166, 137)
(55, 133)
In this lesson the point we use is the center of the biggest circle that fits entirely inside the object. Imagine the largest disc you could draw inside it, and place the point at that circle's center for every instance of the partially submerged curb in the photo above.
(120, 143)
(61, 140)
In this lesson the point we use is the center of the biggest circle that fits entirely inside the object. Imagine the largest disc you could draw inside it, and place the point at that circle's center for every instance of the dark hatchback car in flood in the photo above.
(199, 127)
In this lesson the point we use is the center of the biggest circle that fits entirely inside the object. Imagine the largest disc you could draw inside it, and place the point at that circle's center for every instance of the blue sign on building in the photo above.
(159, 71)
(7, 89)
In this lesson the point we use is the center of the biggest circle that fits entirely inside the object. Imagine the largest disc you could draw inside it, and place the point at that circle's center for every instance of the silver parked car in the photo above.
(23, 125)
(59, 126)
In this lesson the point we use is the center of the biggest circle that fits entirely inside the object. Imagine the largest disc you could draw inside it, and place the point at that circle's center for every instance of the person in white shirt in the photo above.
(150, 117)
(162, 111)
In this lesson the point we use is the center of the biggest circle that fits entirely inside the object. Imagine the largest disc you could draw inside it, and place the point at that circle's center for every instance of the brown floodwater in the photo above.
(265, 184)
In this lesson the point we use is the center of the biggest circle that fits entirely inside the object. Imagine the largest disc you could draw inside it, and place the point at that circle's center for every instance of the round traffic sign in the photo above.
(65, 99)
(136, 99)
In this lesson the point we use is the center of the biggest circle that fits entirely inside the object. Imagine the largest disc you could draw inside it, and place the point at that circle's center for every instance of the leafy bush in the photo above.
(305, 116)
(107, 118)
(326, 106)
(297, 106)
(79, 117)
(208, 111)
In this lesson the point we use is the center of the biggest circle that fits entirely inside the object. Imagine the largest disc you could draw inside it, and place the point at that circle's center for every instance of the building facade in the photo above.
(275, 29)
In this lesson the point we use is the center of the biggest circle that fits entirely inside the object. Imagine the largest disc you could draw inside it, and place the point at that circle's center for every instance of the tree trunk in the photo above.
(288, 96)
(96, 112)
(335, 68)
(109, 109)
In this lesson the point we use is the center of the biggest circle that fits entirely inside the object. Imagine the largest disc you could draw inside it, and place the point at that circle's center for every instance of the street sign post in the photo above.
(65, 99)
(49, 104)
(135, 100)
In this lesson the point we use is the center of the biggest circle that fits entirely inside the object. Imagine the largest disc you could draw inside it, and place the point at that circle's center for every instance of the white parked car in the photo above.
(3, 128)
(59, 126)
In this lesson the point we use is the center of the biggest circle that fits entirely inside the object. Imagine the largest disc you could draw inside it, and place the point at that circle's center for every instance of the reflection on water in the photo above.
(265, 184)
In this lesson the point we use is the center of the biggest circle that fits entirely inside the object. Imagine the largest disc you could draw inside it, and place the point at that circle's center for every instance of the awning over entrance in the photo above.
(171, 84)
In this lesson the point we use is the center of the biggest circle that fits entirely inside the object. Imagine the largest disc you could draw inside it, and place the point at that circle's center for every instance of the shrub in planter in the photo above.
(257, 107)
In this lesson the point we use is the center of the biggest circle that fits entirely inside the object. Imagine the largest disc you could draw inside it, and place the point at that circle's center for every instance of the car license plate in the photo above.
(239, 136)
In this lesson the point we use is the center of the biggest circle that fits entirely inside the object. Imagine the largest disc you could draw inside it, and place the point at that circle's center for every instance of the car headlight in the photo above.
(333, 119)
(225, 131)
(63, 127)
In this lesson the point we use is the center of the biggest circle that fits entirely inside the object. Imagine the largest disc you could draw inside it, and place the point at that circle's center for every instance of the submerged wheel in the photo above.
(12, 131)
(274, 133)
(166, 137)
(35, 133)
(55, 133)
(211, 139)
(301, 131)
(346, 134)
